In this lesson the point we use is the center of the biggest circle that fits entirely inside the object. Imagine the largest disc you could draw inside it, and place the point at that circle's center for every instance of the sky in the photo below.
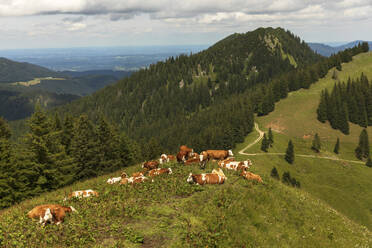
(85, 23)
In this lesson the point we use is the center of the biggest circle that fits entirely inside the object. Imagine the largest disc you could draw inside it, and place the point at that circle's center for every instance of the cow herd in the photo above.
(54, 213)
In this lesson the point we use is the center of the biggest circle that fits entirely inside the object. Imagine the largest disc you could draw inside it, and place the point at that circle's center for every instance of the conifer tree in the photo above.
(362, 151)
(271, 137)
(322, 108)
(337, 146)
(108, 141)
(316, 143)
(67, 133)
(289, 154)
(264, 144)
(85, 149)
(274, 173)
(42, 142)
(6, 166)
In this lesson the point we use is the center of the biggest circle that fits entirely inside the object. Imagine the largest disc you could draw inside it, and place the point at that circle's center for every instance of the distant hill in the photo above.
(23, 84)
(327, 50)
(11, 71)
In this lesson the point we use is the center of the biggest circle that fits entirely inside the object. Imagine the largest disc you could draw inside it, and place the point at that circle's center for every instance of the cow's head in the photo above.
(230, 153)
(170, 171)
(246, 163)
(201, 157)
(190, 178)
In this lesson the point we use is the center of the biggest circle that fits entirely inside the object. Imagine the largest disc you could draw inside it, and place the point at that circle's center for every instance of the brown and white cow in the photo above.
(192, 161)
(117, 179)
(139, 174)
(205, 178)
(164, 158)
(184, 154)
(219, 154)
(133, 180)
(250, 176)
(81, 194)
(159, 171)
(236, 165)
(149, 165)
(52, 213)
(219, 172)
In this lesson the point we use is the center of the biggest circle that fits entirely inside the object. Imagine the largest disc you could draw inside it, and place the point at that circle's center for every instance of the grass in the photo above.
(172, 213)
(345, 186)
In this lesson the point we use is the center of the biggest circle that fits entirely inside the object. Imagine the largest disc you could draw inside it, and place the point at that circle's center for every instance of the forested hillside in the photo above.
(184, 100)
(11, 71)
(213, 93)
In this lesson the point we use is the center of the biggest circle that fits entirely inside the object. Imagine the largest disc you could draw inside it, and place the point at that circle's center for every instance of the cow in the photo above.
(250, 176)
(236, 165)
(203, 159)
(184, 153)
(52, 213)
(133, 180)
(149, 165)
(194, 155)
(182, 156)
(138, 174)
(113, 180)
(192, 161)
(219, 154)
(164, 158)
(205, 178)
(159, 171)
(222, 162)
(117, 179)
(219, 172)
(81, 194)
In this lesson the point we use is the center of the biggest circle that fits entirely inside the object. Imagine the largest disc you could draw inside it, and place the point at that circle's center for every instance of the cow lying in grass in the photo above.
(50, 213)
(139, 178)
(81, 194)
(159, 171)
(235, 165)
(184, 154)
(149, 165)
(164, 158)
(206, 178)
(250, 176)
(117, 179)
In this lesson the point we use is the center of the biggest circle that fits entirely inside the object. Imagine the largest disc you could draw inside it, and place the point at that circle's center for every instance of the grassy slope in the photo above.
(171, 213)
(345, 186)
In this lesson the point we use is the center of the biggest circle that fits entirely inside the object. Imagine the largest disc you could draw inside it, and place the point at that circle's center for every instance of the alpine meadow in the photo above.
(256, 141)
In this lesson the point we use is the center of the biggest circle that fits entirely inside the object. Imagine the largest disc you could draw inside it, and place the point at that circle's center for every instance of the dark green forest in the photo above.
(348, 101)
(206, 100)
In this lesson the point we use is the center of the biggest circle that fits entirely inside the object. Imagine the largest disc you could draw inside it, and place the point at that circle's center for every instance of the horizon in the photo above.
(82, 23)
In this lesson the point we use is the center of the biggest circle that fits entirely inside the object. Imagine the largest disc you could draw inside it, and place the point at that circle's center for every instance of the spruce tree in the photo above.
(264, 144)
(322, 108)
(108, 141)
(7, 192)
(289, 154)
(271, 137)
(362, 151)
(85, 149)
(316, 143)
(337, 146)
(42, 143)
(274, 173)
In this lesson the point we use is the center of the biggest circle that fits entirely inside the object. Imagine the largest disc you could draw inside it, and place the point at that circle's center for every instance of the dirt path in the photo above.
(261, 133)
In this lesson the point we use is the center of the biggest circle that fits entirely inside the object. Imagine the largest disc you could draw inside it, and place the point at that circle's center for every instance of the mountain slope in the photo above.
(343, 185)
(182, 88)
(11, 71)
(169, 212)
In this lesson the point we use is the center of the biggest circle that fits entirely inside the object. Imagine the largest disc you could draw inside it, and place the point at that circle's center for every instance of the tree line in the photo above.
(55, 153)
(348, 101)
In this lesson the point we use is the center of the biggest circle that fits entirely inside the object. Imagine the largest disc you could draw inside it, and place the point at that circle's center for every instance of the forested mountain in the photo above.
(208, 99)
(11, 71)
